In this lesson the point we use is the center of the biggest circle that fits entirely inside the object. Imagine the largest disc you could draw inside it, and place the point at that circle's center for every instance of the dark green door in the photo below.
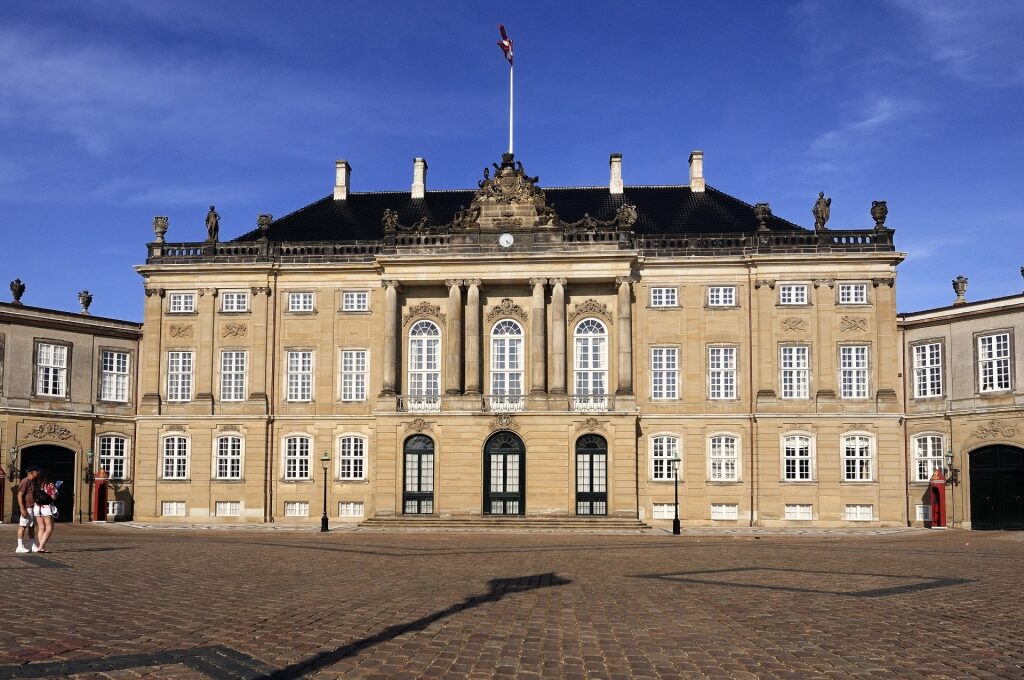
(504, 475)
(997, 488)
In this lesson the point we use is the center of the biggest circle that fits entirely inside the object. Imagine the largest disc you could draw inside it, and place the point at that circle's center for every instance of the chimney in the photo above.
(341, 175)
(697, 171)
(615, 182)
(419, 177)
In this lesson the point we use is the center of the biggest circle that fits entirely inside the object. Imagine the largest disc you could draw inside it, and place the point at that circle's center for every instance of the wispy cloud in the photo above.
(879, 114)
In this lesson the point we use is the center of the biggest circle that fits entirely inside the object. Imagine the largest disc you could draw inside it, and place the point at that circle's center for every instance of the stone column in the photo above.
(625, 339)
(453, 357)
(557, 336)
(538, 338)
(391, 344)
(473, 354)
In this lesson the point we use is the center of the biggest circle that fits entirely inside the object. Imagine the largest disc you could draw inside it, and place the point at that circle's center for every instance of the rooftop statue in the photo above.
(821, 210)
(17, 290)
(626, 215)
(390, 220)
(212, 224)
(879, 211)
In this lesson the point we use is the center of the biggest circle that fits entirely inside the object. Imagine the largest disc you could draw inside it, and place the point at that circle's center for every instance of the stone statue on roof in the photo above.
(212, 224)
(390, 220)
(821, 210)
(626, 215)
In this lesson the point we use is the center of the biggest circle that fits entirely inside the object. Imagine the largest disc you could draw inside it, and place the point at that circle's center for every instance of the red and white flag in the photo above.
(505, 44)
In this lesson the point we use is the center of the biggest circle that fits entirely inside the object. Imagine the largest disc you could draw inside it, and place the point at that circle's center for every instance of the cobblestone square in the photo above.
(124, 602)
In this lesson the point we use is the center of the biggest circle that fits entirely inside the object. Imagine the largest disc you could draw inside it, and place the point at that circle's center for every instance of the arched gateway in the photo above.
(504, 475)
(59, 462)
(997, 487)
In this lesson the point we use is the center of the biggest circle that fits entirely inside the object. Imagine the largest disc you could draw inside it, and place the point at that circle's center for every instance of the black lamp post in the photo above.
(12, 471)
(325, 460)
(951, 473)
(675, 474)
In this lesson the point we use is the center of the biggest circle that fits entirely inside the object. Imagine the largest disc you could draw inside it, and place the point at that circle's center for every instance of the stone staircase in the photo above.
(517, 523)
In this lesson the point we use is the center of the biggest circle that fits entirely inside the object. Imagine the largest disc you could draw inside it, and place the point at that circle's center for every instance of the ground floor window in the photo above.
(350, 509)
(725, 511)
(798, 512)
(228, 509)
(296, 508)
(859, 513)
(663, 511)
(172, 508)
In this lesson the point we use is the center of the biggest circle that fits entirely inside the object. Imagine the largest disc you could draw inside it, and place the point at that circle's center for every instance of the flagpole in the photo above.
(510, 95)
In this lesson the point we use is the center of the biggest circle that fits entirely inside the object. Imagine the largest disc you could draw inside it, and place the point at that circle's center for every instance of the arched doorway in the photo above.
(997, 487)
(591, 475)
(504, 475)
(59, 462)
(418, 487)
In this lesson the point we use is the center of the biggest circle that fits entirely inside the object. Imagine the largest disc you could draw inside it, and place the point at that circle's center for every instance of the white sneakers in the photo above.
(21, 549)
(35, 548)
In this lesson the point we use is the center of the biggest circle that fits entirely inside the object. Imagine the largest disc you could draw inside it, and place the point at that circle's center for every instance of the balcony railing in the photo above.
(419, 403)
(504, 403)
(592, 403)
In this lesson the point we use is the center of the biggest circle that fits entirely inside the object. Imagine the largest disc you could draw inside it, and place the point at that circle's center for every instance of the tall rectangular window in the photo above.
(353, 375)
(232, 375)
(664, 372)
(721, 296)
(928, 370)
(857, 459)
(663, 450)
(795, 364)
(356, 301)
(853, 371)
(300, 302)
(51, 370)
(507, 358)
(300, 375)
(234, 301)
(352, 457)
(796, 459)
(181, 303)
(179, 376)
(853, 293)
(928, 451)
(994, 362)
(793, 294)
(425, 359)
(296, 458)
(664, 297)
(114, 456)
(722, 372)
(724, 456)
(229, 457)
(175, 458)
(113, 376)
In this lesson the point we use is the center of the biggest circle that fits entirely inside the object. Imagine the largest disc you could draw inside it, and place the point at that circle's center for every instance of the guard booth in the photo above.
(99, 496)
(937, 496)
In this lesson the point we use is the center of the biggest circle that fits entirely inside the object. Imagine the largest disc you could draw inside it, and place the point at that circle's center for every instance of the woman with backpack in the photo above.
(45, 510)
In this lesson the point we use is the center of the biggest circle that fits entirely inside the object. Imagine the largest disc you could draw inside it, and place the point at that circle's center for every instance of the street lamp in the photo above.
(89, 457)
(12, 456)
(325, 460)
(675, 473)
(951, 473)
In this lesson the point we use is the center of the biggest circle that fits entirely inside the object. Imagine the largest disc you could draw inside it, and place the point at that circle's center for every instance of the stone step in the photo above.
(540, 523)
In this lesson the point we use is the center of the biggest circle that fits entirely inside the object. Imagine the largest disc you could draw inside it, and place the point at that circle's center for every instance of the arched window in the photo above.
(591, 360)
(796, 459)
(229, 457)
(418, 490)
(425, 363)
(114, 455)
(506, 363)
(928, 450)
(175, 458)
(857, 465)
(296, 457)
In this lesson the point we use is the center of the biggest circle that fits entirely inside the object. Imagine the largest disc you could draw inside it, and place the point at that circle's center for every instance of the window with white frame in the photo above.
(507, 358)
(994, 362)
(798, 511)
(853, 371)
(792, 294)
(352, 457)
(424, 359)
(296, 508)
(179, 375)
(114, 375)
(725, 511)
(353, 374)
(350, 508)
(664, 297)
(300, 375)
(300, 302)
(928, 370)
(859, 512)
(232, 374)
(181, 303)
(172, 508)
(591, 358)
(663, 511)
(928, 450)
(923, 513)
(228, 508)
(51, 370)
(175, 462)
(796, 459)
(355, 301)
(857, 459)
(114, 456)
(724, 458)
(853, 293)
(234, 301)
(296, 458)
(794, 361)
(721, 296)
(229, 457)
(664, 449)
(664, 372)
(722, 372)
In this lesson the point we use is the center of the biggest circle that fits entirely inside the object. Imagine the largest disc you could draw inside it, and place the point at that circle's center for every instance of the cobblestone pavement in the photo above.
(112, 602)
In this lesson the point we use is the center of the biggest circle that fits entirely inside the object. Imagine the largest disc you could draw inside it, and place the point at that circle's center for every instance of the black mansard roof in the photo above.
(660, 210)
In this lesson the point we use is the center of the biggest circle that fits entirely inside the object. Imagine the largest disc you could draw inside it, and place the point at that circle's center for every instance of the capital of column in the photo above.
(625, 279)
(478, 283)
(558, 282)
(391, 283)
(538, 282)
(452, 283)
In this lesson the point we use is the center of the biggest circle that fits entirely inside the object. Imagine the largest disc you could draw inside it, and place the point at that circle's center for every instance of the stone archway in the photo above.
(59, 462)
(997, 487)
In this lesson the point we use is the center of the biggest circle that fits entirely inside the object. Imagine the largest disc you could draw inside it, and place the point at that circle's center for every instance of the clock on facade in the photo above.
(505, 240)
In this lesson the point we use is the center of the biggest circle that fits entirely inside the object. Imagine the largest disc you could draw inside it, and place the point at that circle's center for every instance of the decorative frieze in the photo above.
(423, 309)
(234, 330)
(995, 429)
(853, 324)
(590, 307)
(504, 421)
(175, 427)
(590, 425)
(51, 431)
(180, 330)
(229, 427)
(418, 425)
(793, 324)
(506, 308)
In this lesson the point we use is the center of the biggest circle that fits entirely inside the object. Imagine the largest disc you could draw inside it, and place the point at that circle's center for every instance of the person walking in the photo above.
(26, 503)
(45, 510)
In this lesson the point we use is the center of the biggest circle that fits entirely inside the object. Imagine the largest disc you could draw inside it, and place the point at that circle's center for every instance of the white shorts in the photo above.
(27, 521)
(45, 511)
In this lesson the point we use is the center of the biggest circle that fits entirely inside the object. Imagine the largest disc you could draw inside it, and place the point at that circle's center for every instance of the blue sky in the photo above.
(112, 112)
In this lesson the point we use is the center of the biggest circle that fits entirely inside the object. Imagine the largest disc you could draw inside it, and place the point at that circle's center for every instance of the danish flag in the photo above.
(505, 43)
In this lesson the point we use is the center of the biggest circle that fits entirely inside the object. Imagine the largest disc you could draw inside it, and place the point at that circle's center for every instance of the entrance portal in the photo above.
(59, 463)
(591, 475)
(997, 488)
(418, 490)
(504, 475)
